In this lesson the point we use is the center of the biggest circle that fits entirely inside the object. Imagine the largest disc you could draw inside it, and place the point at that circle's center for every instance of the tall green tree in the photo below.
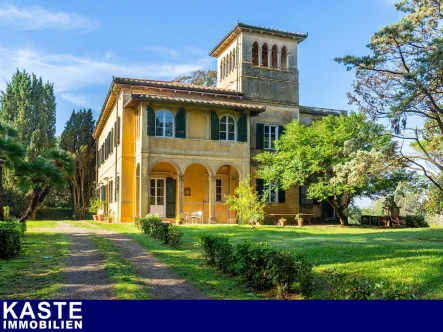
(28, 104)
(77, 139)
(402, 79)
(339, 157)
(11, 154)
(200, 77)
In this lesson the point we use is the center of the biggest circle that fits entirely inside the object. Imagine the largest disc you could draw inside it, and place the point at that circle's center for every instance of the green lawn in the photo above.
(37, 271)
(412, 256)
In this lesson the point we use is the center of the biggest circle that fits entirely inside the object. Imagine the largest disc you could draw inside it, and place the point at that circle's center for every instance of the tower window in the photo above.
(264, 55)
(284, 58)
(255, 54)
(274, 56)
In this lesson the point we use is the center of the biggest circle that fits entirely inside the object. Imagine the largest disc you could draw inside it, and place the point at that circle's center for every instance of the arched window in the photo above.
(255, 54)
(227, 128)
(233, 59)
(228, 70)
(274, 56)
(264, 55)
(284, 58)
(221, 69)
(164, 124)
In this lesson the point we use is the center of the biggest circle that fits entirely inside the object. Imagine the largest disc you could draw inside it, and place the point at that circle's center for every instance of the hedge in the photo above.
(11, 238)
(261, 266)
(47, 213)
(154, 227)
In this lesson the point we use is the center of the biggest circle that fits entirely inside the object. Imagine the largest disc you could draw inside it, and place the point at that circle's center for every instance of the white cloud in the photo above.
(78, 99)
(38, 18)
(71, 72)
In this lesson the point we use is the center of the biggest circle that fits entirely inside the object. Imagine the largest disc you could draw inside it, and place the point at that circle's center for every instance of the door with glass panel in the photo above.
(157, 197)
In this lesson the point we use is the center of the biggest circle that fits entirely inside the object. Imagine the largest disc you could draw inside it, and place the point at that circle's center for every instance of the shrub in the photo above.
(339, 287)
(175, 236)
(138, 221)
(11, 238)
(47, 213)
(218, 251)
(6, 211)
(415, 221)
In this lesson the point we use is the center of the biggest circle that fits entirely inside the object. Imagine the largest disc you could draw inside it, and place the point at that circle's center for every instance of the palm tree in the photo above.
(11, 155)
(42, 174)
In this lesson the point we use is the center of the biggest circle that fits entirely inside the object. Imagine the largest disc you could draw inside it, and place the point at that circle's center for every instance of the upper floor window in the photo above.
(255, 54)
(271, 134)
(274, 56)
(227, 128)
(164, 124)
(218, 190)
(284, 58)
(264, 55)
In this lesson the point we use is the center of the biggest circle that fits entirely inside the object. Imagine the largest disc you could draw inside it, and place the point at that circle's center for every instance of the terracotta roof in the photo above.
(175, 85)
(321, 111)
(243, 26)
(222, 104)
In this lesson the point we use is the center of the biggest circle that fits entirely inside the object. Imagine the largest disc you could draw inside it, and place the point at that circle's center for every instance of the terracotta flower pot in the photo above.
(95, 217)
(101, 217)
(300, 222)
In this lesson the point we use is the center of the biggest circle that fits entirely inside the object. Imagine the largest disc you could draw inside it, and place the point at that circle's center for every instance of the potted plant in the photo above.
(111, 216)
(179, 219)
(97, 207)
(282, 222)
(300, 220)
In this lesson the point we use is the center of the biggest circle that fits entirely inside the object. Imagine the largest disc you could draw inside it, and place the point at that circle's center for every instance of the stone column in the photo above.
(270, 58)
(146, 207)
(260, 57)
(212, 198)
(181, 194)
(279, 60)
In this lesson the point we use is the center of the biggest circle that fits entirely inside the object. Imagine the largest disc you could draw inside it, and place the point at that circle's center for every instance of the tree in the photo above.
(402, 79)
(42, 174)
(11, 154)
(246, 203)
(200, 77)
(28, 104)
(77, 139)
(339, 157)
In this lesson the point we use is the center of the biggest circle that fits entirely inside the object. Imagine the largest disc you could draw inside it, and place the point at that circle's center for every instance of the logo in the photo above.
(57, 315)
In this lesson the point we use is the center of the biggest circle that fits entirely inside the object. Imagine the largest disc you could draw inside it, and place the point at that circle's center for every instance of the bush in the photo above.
(11, 238)
(341, 287)
(47, 213)
(259, 265)
(218, 251)
(175, 237)
(416, 221)
(154, 227)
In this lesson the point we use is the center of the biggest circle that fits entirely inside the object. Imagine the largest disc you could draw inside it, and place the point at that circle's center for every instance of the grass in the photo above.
(125, 281)
(36, 272)
(412, 256)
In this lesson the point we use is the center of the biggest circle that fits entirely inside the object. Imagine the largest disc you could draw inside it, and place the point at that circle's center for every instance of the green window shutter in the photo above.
(170, 197)
(281, 130)
(180, 124)
(259, 187)
(242, 128)
(151, 121)
(281, 196)
(215, 126)
(260, 136)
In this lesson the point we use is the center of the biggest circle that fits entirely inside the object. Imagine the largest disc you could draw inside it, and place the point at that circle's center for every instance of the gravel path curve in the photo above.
(164, 283)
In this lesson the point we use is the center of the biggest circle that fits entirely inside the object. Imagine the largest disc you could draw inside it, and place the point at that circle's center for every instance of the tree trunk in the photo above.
(32, 204)
(38, 196)
(2, 195)
(339, 207)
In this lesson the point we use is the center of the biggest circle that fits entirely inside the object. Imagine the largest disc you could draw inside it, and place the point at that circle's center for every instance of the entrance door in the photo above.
(157, 200)
(170, 197)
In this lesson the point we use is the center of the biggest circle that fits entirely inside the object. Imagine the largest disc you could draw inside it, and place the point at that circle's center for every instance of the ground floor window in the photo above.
(272, 192)
(157, 192)
(218, 190)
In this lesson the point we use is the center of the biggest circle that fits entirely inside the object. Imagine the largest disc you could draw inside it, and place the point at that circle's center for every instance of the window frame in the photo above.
(218, 195)
(165, 111)
(277, 134)
(269, 191)
(227, 128)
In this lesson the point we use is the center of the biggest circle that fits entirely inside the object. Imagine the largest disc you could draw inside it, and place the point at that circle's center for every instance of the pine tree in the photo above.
(77, 139)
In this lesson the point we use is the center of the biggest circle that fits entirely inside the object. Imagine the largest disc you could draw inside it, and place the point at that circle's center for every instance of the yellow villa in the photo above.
(173, 149)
